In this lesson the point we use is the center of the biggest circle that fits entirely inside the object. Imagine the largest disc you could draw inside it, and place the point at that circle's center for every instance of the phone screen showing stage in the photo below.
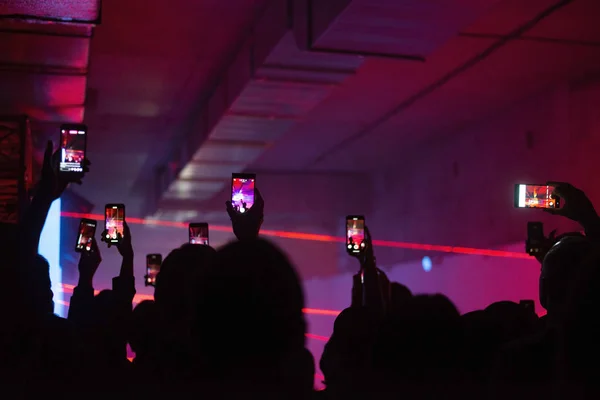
(114, 219)
(536, 196)
(355, 234)
(153, 263)
(242, 192)
(198, 234)
(87, 230)
(72, 149)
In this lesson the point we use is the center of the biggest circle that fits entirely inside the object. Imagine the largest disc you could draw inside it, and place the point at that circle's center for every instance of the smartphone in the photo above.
(153, 263)
(85, 235)
(242, 191)
(528, 305)
(535, 238)
(198, 232)
(535, 196)
(73, 142)
(114, 219)
(355, 234)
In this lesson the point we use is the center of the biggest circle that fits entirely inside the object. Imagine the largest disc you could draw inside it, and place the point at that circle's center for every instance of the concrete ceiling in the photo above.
(180, 94)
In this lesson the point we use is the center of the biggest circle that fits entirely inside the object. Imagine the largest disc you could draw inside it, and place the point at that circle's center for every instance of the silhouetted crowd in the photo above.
(229, 323)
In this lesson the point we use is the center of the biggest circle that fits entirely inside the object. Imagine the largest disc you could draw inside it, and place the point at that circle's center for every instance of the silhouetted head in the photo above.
(347, 355)
(103, 307)
(425, 336)
(400, 295)
(510, 320)
(143, 327)
(480, 344)
(249, 309)
(561, 265)
(179, 275)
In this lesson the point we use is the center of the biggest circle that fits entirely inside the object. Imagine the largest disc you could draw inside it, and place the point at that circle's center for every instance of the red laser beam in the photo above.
(317, 337)
(316, 311)
(324, 238)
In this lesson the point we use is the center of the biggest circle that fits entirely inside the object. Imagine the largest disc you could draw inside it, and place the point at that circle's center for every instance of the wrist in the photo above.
(85, 281)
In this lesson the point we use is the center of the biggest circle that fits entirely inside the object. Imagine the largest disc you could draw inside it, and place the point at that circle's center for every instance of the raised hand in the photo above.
(375, 285)
(577, 206)
(367, 257)
(52, 183)
(124, 246)
(89, 262)
(247, 225)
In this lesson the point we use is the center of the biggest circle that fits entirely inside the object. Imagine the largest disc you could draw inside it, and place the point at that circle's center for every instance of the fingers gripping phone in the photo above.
(153, 263)
(535, 238)
(242, 191)
(85, 235)
(198, 233)
(355, 234)
(114, 221)
(536, 196)
(73, 142)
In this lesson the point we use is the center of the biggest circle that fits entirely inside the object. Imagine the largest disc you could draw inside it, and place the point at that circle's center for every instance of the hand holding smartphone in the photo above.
(114, 223)
(73, 143)
(242, 192)
(355, 234)
(153, 263)
(536, 196)
(85, 235)
(198, 233)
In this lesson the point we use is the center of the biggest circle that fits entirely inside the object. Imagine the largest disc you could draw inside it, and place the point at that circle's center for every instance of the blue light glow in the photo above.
(426, 263)
(50, 249)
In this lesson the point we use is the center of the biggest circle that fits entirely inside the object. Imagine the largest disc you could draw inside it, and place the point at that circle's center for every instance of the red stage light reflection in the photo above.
(323, 238)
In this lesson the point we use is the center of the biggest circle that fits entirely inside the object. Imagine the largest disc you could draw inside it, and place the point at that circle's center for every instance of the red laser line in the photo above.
(316, 311)
(317, 337)
(324, 238)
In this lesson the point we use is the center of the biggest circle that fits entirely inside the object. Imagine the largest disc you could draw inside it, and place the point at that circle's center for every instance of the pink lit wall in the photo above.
(459, 189)
(460, 192)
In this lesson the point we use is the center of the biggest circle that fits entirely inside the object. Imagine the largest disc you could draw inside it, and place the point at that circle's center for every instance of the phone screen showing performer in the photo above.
(355, 234)
(72, 148)
(242, 192)
(198, 232)
(114, 221)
